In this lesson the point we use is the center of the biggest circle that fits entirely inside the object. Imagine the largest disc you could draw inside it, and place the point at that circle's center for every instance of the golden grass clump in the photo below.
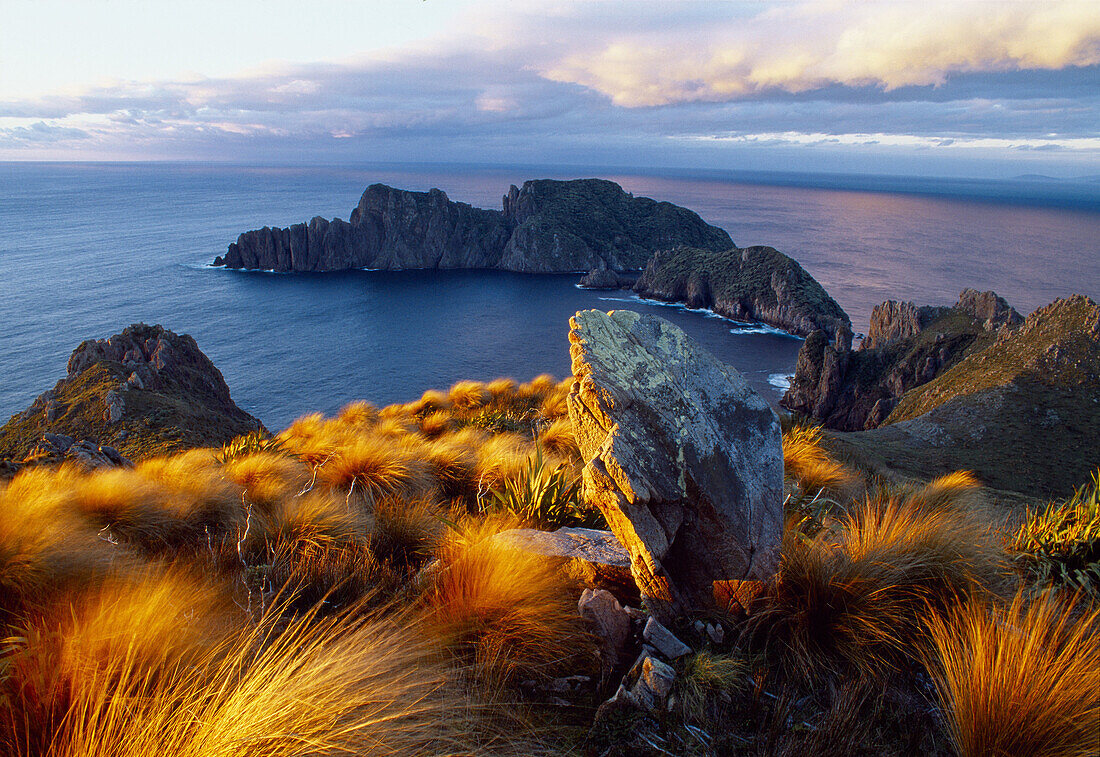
(405, 529)
(806, 462)
(358, 414)
(197, 489)
(453, 462)
(436, 424)
(1019, 680)
(510, 615)
(558, 439)
(374, 467)
(500, 457)
(267, 478)
(554, 404)
(468, 395)
(855, 596)
(432, 401)
(45, 546)
(310, 687)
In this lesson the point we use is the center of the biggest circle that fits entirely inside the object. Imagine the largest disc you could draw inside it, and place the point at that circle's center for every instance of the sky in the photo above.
(984, 88)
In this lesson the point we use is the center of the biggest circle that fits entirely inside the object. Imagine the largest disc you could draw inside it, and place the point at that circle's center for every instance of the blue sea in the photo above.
(86, 249)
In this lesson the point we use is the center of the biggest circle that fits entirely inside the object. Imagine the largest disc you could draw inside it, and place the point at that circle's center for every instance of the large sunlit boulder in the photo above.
(683, 458)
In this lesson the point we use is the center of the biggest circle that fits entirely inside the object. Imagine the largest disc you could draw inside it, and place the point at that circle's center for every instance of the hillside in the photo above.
(1023, 413)
(146, 391)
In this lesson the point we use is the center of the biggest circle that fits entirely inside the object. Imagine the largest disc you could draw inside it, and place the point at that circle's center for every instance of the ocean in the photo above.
(87, 249)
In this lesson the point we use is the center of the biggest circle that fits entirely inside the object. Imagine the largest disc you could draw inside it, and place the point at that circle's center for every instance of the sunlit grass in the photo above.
(1019, 680)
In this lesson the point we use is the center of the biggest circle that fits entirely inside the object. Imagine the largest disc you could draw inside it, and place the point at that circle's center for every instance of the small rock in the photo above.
(610, 620)
(114, 407)
(60, 442)
(664, 641)
(716, 632)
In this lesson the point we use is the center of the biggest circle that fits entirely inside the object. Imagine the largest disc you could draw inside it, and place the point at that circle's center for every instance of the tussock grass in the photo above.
(853, 597)
(806, 462)
(1022, 679)
(509, 615)
(45, 546)
(313, 687)
(558, 439)
(705, 677)
(374, 468)
(467, 395)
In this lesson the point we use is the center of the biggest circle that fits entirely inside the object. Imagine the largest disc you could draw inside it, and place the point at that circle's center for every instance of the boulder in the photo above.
(592, 557)
(682, 457)
(663, 640)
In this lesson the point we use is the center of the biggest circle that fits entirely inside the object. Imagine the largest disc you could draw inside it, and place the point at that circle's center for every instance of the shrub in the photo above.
(1021, 679)
(1060, 545)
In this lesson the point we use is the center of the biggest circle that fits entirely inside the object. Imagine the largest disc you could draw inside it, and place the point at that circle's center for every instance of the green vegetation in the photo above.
(1060, 544)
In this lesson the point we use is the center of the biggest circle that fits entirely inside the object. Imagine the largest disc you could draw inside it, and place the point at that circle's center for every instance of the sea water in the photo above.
(87, 249)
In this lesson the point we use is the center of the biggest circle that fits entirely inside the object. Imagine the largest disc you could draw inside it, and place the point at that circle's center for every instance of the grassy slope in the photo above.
(177, 417)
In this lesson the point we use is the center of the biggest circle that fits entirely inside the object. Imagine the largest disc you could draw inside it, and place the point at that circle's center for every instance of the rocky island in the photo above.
(546, 226)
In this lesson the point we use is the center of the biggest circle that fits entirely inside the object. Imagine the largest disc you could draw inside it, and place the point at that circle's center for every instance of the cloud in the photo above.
(809, 46)
(557, 80)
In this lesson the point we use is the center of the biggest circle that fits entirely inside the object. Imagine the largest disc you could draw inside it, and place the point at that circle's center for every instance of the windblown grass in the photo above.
(510, 615)
(853, 597)
(807, 464)
(1019, 680)
(313, 687)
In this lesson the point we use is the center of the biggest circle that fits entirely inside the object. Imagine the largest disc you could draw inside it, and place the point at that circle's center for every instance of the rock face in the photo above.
(145, 391)
(754, 283)
(1021, 408)
(545, 226)
(906, 346)
(682, 457)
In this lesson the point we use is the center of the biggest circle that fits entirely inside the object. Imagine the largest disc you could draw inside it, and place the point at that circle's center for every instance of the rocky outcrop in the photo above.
(905, 347)
(754, 283)
(545, 226)
(681, 456)
(142, 392)
(1022, 411)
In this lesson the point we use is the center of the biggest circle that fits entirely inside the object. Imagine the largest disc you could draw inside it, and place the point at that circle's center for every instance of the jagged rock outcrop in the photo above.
(145, 391)
(754, 283)
(1022, 411)
(682, 457)
(545, 226)
(906, 346)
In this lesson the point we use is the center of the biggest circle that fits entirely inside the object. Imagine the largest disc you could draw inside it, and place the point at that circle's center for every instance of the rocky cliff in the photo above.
(144, 392)
(905, 347)
(546, 226)
(754, 283)
(1022, 412)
